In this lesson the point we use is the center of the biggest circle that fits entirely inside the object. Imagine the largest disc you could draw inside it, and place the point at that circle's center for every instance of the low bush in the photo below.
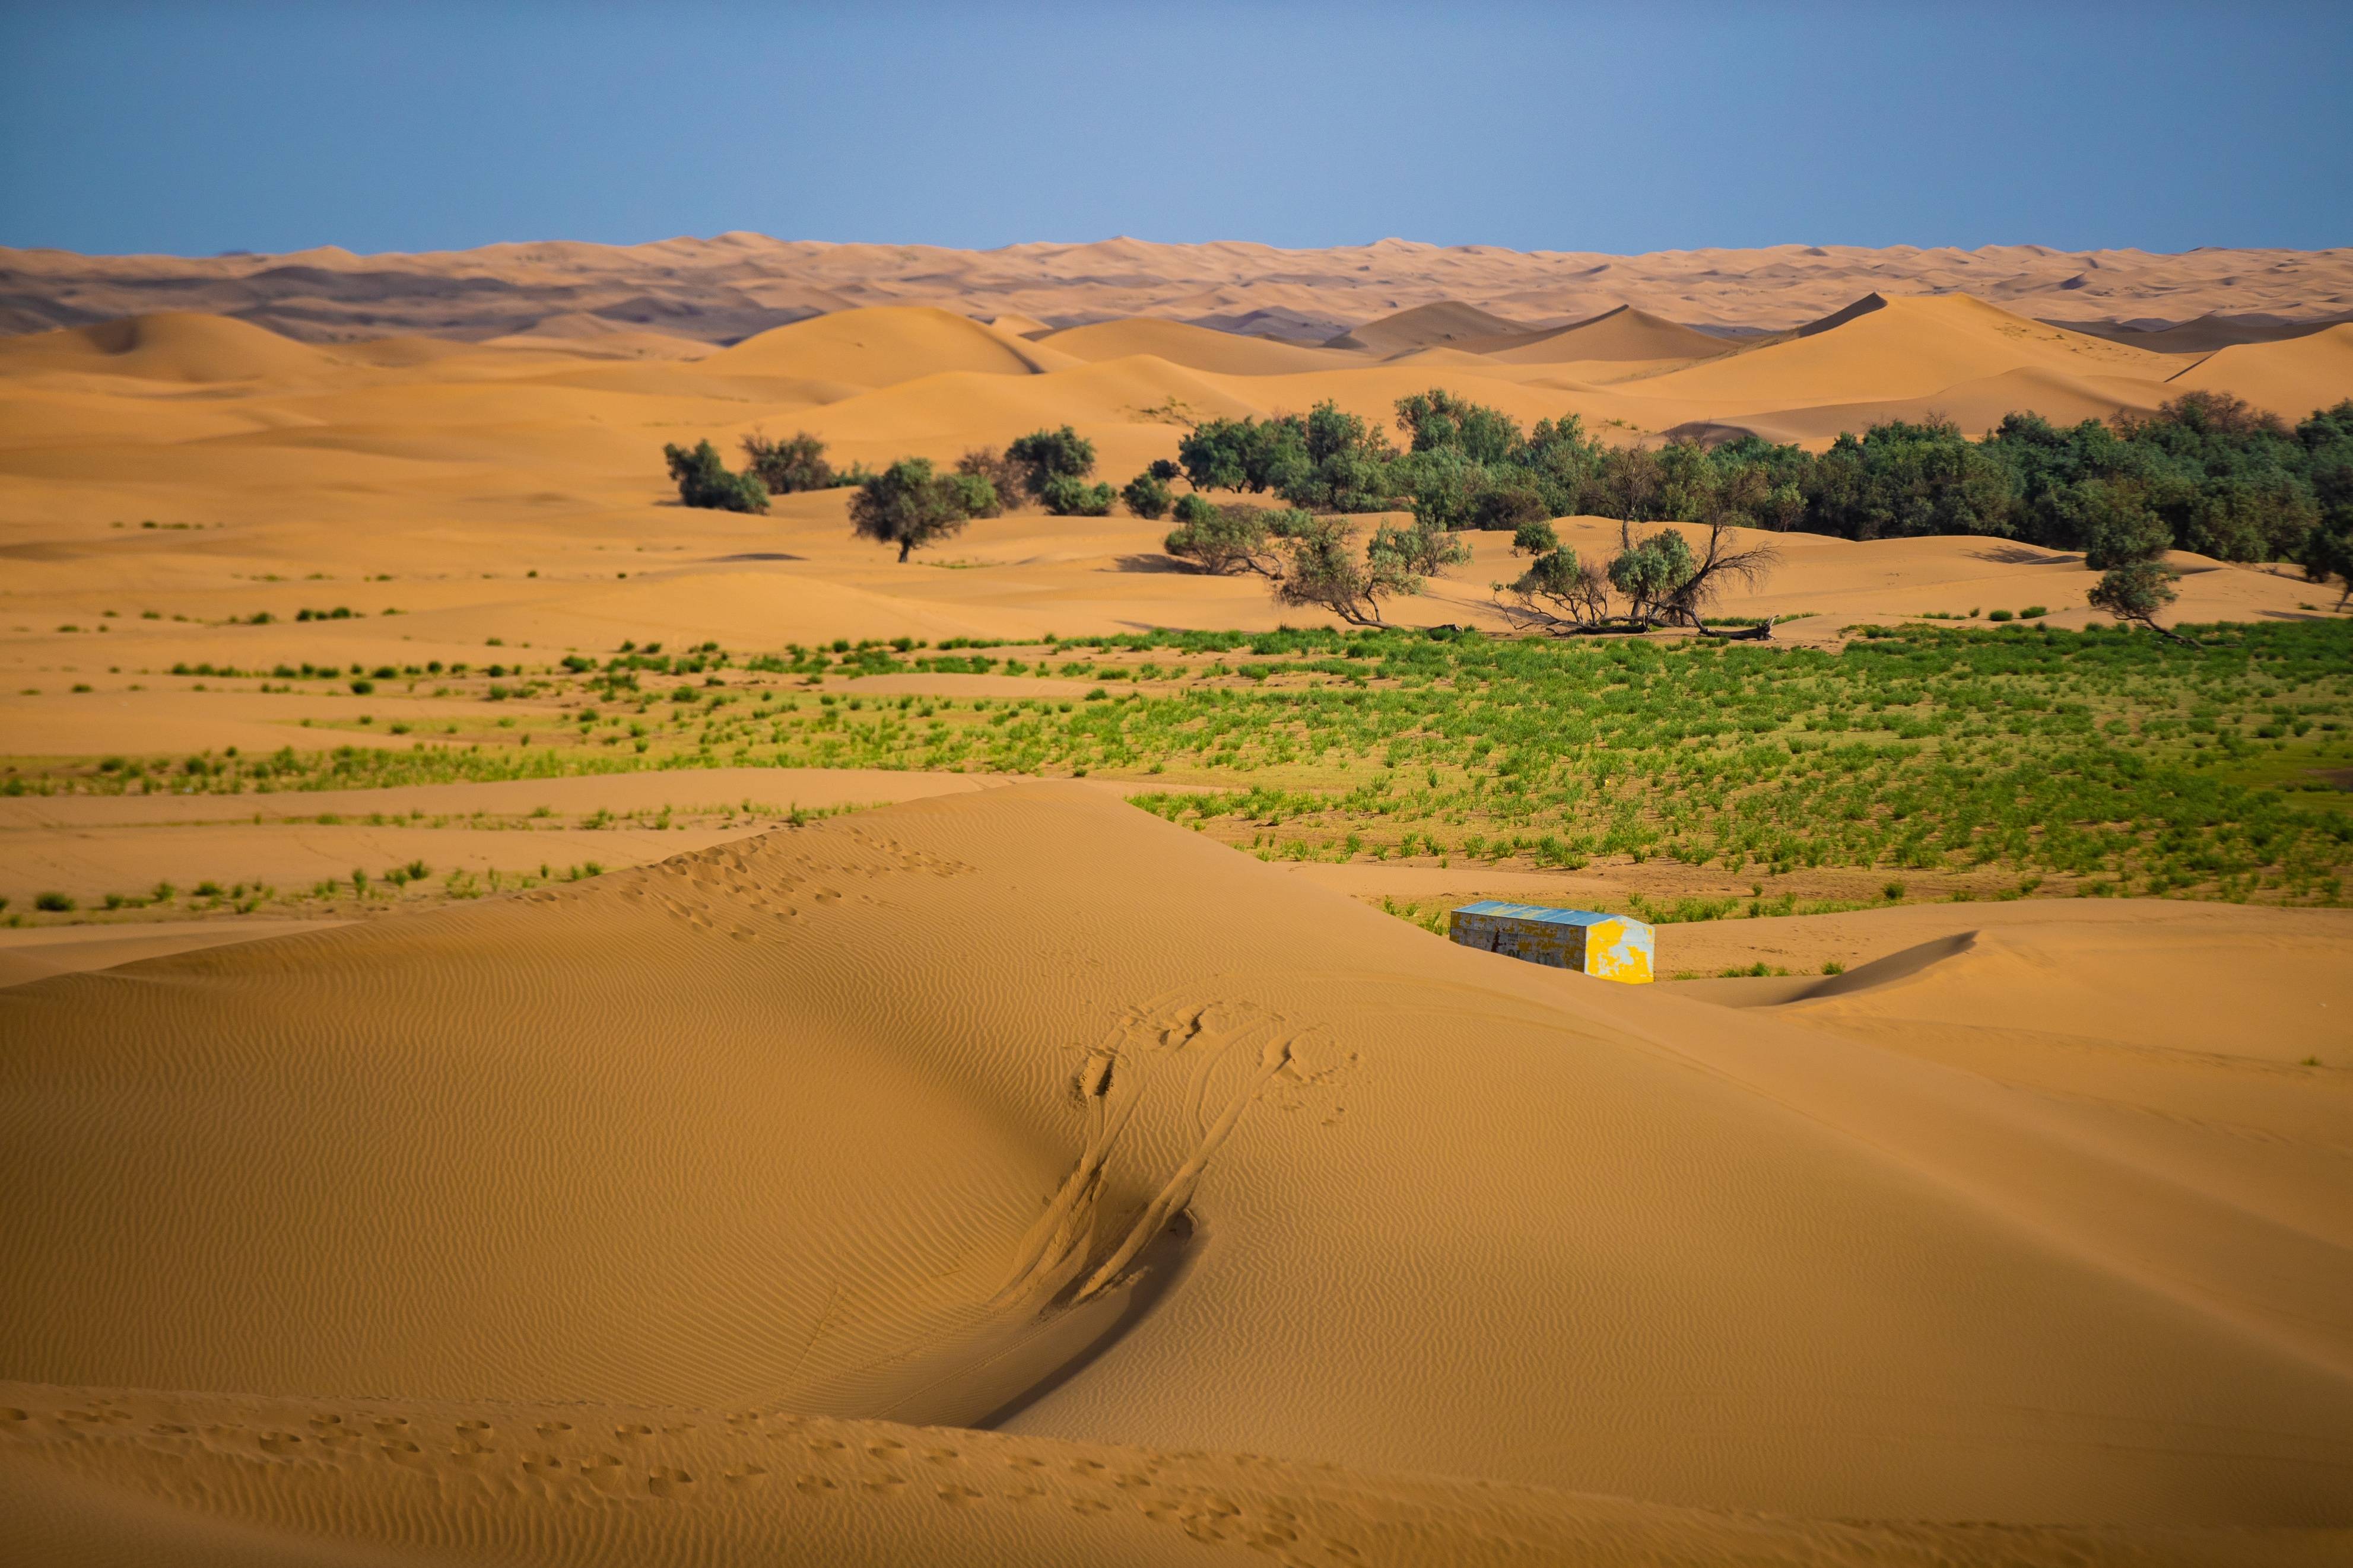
(704, 480)
(1066, 497)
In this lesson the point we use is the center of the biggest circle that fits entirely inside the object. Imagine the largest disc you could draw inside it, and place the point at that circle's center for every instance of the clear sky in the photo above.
(194, 128)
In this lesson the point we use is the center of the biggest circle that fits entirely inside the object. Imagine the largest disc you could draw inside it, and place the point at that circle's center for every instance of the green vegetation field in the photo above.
(1980, 762)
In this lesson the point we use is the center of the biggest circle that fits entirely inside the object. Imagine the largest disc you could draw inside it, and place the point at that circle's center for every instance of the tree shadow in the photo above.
(1156, 564)
(2027, 555)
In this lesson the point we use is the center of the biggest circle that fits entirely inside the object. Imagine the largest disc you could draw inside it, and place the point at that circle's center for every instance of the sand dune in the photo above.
(1888, 348)
(2203, 335)
(1976, 406)
(1427, 326)
(1623, 334)
(2311, 371)
(763, 1129)
(174, 346)
(880, 347)
(1196, 348)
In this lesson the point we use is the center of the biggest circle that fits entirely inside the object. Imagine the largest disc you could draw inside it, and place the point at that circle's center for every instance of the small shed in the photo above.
(1608, 947)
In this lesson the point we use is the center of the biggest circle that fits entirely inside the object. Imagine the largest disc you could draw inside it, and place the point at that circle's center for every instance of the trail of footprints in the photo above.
(750, 887)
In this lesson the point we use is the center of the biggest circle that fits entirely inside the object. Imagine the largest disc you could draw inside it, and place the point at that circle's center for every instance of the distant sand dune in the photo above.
(174, 346)
(728, 288)
(878, 347)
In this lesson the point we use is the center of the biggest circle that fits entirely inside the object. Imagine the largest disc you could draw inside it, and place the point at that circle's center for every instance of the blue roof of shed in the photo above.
(1535, 912)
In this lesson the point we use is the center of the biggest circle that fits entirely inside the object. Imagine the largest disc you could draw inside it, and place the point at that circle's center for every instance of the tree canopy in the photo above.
(910, 506)
(1044, 456)
(2223, 479)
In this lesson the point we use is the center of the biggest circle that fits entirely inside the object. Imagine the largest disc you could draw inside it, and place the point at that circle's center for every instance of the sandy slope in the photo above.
(2316, 369)
(1238, 1167)
(1624, 334)
(1196, 348)
(1889, 347)
(878, 347)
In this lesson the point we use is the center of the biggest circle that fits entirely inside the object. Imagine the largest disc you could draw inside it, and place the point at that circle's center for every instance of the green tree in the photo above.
(2127, 541)
(2326, 439)
(2134, 591)
(1651, 572)
(2118, 524)
(703, 480)
(910, 506)
(1043, 456)
(1440, 422)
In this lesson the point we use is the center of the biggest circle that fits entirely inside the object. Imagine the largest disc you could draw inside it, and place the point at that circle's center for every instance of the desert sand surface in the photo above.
(537, 1125)
(1226, 1174)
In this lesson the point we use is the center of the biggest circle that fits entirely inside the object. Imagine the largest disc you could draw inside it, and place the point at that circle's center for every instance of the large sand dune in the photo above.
(805, 1124)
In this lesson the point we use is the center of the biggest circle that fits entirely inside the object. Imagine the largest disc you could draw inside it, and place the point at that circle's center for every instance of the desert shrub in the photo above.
(704, 480)
(1421, 550)
(1066, 497)
(1195, 508)
(910, 506)
(1008, 480)
(1322, 569)
(1221, 539)
(1650, 572)
(1556, 584)
(1165, 470)
(54, 903)
(1043, 456)
(1147, 495)
(795, 463)
(2135, 591)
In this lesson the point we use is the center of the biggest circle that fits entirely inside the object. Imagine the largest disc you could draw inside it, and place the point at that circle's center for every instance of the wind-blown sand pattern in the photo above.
(647, 1216)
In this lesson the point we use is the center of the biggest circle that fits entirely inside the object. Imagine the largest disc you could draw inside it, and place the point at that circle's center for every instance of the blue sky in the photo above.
(199, 128)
